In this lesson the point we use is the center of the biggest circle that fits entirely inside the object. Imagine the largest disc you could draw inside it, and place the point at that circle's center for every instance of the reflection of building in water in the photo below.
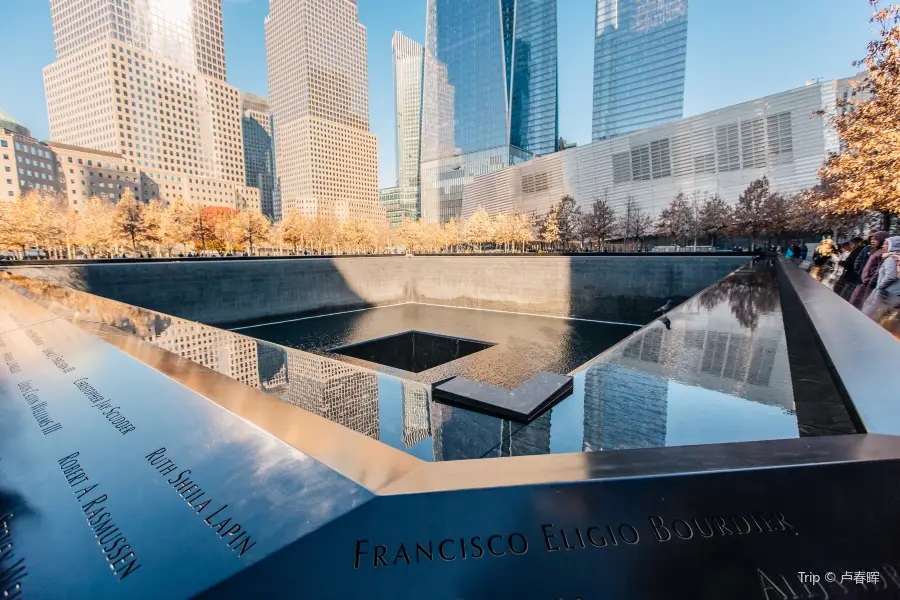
(415, 414)
(624, 408)
(533, 438)
(222, 351)
(743, 363)
(741, 357)
(459, 434)
(272, 367)
(334, 390)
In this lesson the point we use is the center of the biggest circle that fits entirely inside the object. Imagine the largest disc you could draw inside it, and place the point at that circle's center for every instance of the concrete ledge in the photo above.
(860, 354)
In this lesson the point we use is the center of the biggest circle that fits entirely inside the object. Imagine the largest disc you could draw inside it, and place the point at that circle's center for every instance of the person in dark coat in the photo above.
(867, 250)
(870, 271)
(856, 246)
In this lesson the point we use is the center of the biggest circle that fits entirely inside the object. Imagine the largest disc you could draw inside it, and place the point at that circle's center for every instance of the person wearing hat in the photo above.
(888, 274)
(870, 270)
(872, 244)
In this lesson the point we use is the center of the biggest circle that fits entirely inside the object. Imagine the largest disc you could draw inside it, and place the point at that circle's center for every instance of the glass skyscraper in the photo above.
(639, 64)
(409, 59)
(490, 93)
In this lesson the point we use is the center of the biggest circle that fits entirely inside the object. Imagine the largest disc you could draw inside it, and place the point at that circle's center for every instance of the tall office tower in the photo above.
(326, 158)
(259, 150)
(146, 79)
(409, 61)
(640, 48)
(500, 64)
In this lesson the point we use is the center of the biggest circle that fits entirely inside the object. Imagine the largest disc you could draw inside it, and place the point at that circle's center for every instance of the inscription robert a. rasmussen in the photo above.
(122, 559)
(104, 405)
(39, 409)
(217, 516)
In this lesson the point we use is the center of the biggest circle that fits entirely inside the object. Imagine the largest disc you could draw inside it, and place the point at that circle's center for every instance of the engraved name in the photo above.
(12, 569)
(784, 587)
(122, 559)
(35, 338)
(555, 539)
(104, 405)
(233, 533)
(58, 360)
(39, 408)
(12, 363)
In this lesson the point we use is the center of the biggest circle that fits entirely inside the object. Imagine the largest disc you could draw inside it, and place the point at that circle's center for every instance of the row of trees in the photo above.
(102, 228)
(758, 213)
(566, 223)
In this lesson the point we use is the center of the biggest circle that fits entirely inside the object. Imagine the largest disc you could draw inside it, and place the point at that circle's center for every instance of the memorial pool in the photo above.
(520, 345)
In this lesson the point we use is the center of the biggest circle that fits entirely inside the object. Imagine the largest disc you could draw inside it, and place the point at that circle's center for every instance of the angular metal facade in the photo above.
(719, 152)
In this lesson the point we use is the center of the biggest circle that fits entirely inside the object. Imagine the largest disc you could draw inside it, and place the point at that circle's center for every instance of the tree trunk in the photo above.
(133, 250)
(885, 221)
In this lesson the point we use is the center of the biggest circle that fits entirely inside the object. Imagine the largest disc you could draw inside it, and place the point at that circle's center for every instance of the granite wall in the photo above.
(226, 292)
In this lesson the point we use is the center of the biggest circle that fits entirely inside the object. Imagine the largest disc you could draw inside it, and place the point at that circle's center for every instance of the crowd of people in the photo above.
(863, 271)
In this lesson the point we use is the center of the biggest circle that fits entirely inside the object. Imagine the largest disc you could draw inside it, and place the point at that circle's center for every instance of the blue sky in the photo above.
(737, 51)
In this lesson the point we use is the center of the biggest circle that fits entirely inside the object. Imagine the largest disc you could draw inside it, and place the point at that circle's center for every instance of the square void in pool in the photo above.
(413, 351)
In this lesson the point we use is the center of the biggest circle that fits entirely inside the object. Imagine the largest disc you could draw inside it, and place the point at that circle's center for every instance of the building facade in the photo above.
(490, 96)
(640, 50)
(26, 164)
(409, 65)
(719, 152)
(390, 200)
(83, 173)
(259, 149)
(318, 89)
(146, 79)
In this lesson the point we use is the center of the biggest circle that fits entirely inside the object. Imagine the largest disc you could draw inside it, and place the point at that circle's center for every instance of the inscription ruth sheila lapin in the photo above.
(226, 527)
(556, 539)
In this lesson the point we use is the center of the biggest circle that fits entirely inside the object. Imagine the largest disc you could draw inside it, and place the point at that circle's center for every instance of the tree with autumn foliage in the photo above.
(295, 229)
(479, 230)
(253, 228)
(863, 177)
(549, 227)
(128, 219)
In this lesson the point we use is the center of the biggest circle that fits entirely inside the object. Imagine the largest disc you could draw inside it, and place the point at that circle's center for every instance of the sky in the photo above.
(737, 51)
